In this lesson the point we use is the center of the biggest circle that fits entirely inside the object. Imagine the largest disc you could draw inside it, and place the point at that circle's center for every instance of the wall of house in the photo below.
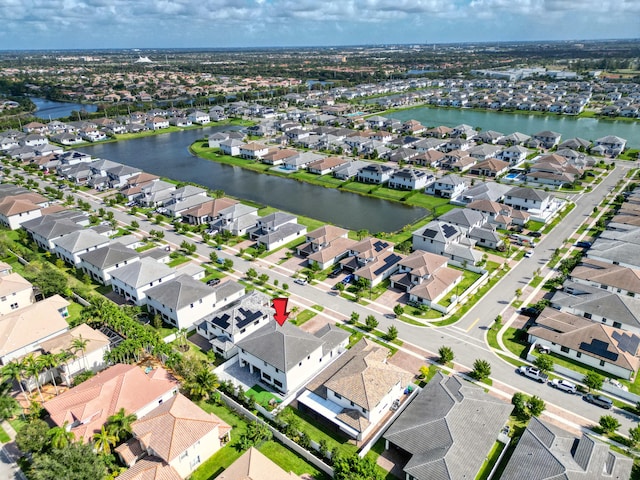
(141, 412)
(428, 245)
(192, 457)
(612, 322)
(93, 361)
(16, 300)
(73, 258)
(585, 359)
(102, 275)
(187, 316)
(31, 347)
(599, 285)
(15, 221)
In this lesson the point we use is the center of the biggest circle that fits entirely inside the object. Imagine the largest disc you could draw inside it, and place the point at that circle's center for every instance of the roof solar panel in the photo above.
(627, 342)
(600, 348)
(449, 230)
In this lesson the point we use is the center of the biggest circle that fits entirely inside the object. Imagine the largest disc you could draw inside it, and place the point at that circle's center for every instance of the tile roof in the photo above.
(140, 273)
(110, 255)
(180, 292)
(96, 340)
(13, 283)
(608, 274)
(80, 240)
(93, 401)
(176, 425)
(150, 468)
(253, 465)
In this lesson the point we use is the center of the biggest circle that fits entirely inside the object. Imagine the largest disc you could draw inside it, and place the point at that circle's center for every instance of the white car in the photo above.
(563, 385)
(529, 254)
(300, 281)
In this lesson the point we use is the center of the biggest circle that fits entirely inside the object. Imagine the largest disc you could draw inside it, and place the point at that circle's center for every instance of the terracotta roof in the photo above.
(175, 426)
(211, 208)
(253, 465)
(150, 468)
(337, 247)
(93, 401)
(31, 324)
(96, 340)
(11, 206)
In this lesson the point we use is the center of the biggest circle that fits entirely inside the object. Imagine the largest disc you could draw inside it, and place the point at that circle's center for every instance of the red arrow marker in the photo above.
(280, 304)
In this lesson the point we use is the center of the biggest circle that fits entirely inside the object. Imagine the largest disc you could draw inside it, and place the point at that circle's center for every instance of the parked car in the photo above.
(599, 400)
(347, 279)
(533, 373)
(535, 234)
(300, 281)
(335, 273)
(130, 204)
(395, 405)
(529, 254)
(213, 282)
(220, 260)
(583, 244)
(530, 311)
(564, 385)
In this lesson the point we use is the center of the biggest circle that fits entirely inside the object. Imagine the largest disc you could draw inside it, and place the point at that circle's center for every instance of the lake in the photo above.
(167, 155)
(48, 109)
(569, 127)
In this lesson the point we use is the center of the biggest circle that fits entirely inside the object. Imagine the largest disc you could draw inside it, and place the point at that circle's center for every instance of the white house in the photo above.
(71, 246)
(199, 117)
(133, 280)
(99, 263)
(613, 145)
(450, 186)
(15, 292)
(410, 179)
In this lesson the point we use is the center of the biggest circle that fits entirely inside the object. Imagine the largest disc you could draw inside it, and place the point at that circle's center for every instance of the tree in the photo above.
(213, 257)
(228, 264)
(371, 322)
(392, 333)
(519, 402)
(80, 344)
(61, 437)
(135, 225)
(251, 273)
(593, 381)
(361, 234)
(544, 363)
(634, 436)
(398, 310)
(77, 461)
(536, 406)
(446, 355)
(29, 437)
(104, 440)
(218, 193)
(263, 278)
(9, 407)
(355, 316)
(15, 371)
(256, 433)
(50, 281)
(33, 368)
(354, 467)
(120, 424)
(340, 287)
(481, 369)
(608, 424)
(203, 385)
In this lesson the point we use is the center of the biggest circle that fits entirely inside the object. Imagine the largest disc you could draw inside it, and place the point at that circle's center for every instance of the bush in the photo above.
(82, 377)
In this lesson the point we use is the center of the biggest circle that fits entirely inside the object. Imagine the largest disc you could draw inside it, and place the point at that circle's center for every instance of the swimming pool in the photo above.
(512, 176)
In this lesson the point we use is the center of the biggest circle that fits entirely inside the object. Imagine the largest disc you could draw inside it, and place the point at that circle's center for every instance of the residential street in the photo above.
(466, 337)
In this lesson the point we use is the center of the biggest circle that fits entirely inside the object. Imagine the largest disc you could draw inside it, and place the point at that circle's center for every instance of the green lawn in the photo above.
(261, 396)
(317, 432)
(290, 461)
(468, 279)
(303, 317)
(515, 346)
(4, 437)
(75, 309)
(490, 461)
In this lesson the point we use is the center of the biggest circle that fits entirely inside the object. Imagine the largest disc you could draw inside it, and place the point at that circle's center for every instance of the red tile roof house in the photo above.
(175, 437)
(88, 406)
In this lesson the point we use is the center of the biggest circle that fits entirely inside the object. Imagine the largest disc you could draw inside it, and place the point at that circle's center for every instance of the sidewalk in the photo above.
(9, 456)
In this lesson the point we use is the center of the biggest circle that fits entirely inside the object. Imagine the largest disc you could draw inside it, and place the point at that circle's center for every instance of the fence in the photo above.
(467, 293)
(304, 453)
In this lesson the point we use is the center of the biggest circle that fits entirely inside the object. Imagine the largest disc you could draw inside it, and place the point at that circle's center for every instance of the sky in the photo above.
(78, 24)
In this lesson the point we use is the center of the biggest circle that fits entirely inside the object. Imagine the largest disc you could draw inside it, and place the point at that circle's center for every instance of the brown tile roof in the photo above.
(327, 233)
(143, 177)
(329, 162)
(491, 164)
(210, 208)
(607, 274)
(96, 340)
(31, 324)
(13, 283)
(432, 288)
(130, 451)
(424, 263)
(253, 465)
(176, 425)
(150, 468)
(253, 146)
(280, 154)
(12, 206)
(93, 401)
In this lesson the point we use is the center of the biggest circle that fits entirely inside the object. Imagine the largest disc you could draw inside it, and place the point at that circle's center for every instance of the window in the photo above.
(617, 325)
(338, 396)
(564, 349)
(278, 383)
(587, 315)
(266, 377)
(3, 299)
(184, 455)
(578, 354)
(602, 363)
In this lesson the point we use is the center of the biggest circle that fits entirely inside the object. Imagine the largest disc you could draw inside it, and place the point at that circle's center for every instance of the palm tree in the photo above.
(120, 424)
(15, 370)
(204, 384)
(61, 437)
(33, 369)
(81, 344)
(51, 362)
(104, 440)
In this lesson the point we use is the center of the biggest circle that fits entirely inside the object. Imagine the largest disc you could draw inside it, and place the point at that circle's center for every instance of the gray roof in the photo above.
(110, 255)
(528, 193)
(282, 347)
(242, 312)
(603, 303)
(80, 240)
(50, 228)
(140, 273)
(545, 452)
(448, 429)
(180, 292)
(615, 251)
(463, 217)
(486, 191)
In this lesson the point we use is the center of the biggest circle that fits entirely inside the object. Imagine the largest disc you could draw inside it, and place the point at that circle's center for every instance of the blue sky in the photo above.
(70, 24)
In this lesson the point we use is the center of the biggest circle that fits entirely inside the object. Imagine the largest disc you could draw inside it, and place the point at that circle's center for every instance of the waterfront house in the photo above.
(450, 186)
(613, 145)
(201, 118)
(231, 146)
(410, 179)
(326, 165)
(547, 138)
(253, 151)
(375, 173)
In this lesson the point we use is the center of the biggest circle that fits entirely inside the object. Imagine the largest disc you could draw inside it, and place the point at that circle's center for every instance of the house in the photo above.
(598, 305)
(349, 169)
(425, 277)
(584, 341)
(531, 200)
(278, 156)
(615, 252)
(14, 211)
(612, 145)
(515, 138)
(491, 191)
(301, 160)
(547, 138)
(98, 263)
(86, 407)
(133, 280)
(371, 259)
(183, 301)
(434, 433)
(326, 246)
(276, 229)
(179, 433)
(410, 179)
(44, 230)
(545, 452)
(325, 165)
(119, 175)
(205, 212)
(253, 465)
(285, 356)
(71, 246)
(498, 214)
(489, 136)
(236, 219)
(429, 158)
(607, 276)
(23, 330)
(231, 147)
(15, 292)
(253, 151)
(355, 392)
(97, 344)
(375, 173)
(225, 327)
(491, 168)
(484, 151)
(515, 154)
(157, 123)
(448, 240)
(201, 118)
(450, 186)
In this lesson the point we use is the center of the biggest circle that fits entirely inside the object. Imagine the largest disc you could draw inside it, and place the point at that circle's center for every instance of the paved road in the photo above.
(466, 338)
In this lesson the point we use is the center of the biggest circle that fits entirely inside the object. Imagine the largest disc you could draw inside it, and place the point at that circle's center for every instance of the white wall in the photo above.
(15, 221)
(192, 457)
(23, 298)
(102, 275)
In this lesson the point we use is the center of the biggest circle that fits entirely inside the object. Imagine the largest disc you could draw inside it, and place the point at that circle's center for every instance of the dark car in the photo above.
(583, 244)
(535, 234)
(213, 282)
(335, 273)
(530, 311)
(599, 400)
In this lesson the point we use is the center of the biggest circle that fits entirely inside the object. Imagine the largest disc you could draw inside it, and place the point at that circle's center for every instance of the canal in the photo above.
(168, 156)
(50, 110)
(569, 127)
